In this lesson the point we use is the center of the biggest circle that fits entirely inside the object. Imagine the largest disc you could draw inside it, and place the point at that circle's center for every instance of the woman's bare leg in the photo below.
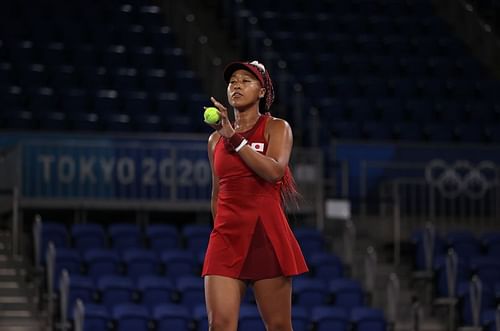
(274, 298)
(223, 297)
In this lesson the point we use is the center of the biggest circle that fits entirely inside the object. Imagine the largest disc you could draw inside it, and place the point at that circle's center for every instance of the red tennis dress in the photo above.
(251, 239)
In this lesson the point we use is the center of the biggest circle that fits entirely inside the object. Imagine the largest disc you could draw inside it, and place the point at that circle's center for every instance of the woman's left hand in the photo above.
(225, 127)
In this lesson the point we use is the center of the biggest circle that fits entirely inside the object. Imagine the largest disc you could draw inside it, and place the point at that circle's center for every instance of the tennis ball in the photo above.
(211, 115)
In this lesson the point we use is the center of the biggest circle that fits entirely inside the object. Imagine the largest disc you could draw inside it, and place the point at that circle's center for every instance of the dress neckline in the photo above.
(250, 131)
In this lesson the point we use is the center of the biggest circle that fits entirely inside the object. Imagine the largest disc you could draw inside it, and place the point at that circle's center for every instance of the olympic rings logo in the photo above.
(461, 177)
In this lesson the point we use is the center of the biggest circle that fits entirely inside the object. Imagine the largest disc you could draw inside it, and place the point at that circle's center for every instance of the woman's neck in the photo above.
(245, 120)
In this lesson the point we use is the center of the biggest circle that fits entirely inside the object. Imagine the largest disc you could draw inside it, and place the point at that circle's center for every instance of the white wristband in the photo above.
(243, 143)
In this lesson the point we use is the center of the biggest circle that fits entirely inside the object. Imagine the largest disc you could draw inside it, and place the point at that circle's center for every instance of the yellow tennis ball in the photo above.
(211, 115)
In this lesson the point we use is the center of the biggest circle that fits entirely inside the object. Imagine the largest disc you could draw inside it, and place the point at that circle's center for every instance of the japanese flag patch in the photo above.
(258, 147)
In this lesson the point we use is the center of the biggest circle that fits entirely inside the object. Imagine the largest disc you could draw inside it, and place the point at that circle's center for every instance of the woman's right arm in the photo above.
(212, 141)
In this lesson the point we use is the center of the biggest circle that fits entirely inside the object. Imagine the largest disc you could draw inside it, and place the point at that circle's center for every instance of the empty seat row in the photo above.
(384, 67)
(465, 243)
(125, 317)
(352, 23)
(122, 236)
(396, 45)
(345, 86)
(82, 12)
(151, 290)
(68, 100)
(131, 262)
(393, 109)
(16, 119)
(412, 131)
(112, 55)
(158, 237)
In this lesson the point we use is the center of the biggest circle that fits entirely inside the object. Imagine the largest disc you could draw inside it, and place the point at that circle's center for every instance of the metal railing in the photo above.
(447, 194)
(64, 283)
(50, 260)
(393, 292)
(79, 315)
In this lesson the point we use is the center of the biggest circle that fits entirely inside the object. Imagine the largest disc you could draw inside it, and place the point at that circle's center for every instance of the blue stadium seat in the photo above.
(487, 268)
(346, 130)
(133, 35)
(115, 289)
(162, 237)
(167, 103)
(80, 287)
(67, 259)
(172, 317)
(356, 64)
(83, 55)
(191, 290)
(33, 75)
(442, 275)
(23, 52)
(368, 43)
(361, 109)
(249, 319)
(144, 57)
(368, 319)
(74, 100)
(315, 87)
(63, 76)
(310, 292)
(491, 243)
(310, 240)
(125, 236)
(115, 56)
(347, 292)
(157, 80)
(17, 119)
(173, 59)
(140, 262)
(465, 244)
(106, 101)
(56, 233)
(178, 262)
(156, 290)
(187, 82)
(200, 317)
(329, 318)
(374, 87)
(88, 236)
(438, 132)
(377, 130)
(124, 79)
(97, 317)
(42, 99)
(465, 304)
(147, 122)
(196, 236)
(54, 53)
(162, 36)
(420, 243)
(421, 109)
(326, 265)
(300, 319)
(489, 320)
(136, 101)
(345, 86)
(102, 262)
(95, 78)
(130, 317)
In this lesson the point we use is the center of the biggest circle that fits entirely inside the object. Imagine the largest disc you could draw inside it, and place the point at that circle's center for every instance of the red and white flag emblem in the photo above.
(258, 147)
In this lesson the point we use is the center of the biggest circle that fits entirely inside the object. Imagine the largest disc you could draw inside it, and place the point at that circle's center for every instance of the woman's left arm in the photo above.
(273, 164)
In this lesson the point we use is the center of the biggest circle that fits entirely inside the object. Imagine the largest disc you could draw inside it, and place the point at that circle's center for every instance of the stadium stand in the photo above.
(372, 71)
